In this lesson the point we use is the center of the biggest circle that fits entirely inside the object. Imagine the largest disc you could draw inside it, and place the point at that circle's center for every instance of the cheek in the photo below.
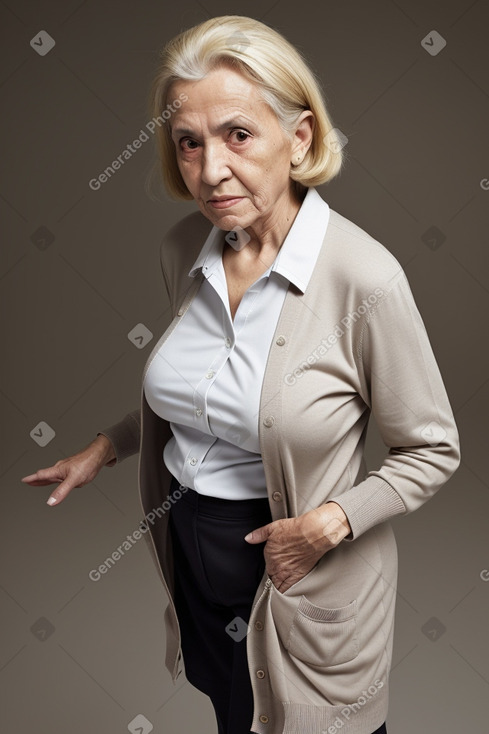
(190, 173)
(261, 172)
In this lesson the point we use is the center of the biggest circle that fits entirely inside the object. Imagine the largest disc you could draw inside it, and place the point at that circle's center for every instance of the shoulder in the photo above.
(355, 258)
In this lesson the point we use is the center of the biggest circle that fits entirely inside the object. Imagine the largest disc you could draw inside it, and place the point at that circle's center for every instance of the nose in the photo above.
(215, 165)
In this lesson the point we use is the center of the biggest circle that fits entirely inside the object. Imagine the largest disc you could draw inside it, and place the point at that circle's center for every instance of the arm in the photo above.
(405, 391)
(111, 445)
(402, 385)
(124, 436)
(74, 471)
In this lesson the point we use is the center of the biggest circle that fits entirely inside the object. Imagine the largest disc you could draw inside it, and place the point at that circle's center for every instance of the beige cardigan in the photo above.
(320, 653)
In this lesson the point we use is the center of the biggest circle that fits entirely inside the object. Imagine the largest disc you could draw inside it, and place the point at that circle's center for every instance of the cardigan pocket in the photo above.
(323, 636)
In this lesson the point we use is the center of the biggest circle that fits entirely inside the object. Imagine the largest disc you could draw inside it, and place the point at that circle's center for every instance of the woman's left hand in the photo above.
(294, 545)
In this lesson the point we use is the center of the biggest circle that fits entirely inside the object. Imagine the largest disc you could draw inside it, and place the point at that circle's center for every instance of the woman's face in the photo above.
(229, 144)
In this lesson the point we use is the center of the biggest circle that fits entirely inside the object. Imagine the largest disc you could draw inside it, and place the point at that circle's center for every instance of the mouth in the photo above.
(222, 202)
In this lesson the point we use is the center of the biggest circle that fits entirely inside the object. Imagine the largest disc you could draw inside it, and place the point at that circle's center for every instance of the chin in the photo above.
(221, 218)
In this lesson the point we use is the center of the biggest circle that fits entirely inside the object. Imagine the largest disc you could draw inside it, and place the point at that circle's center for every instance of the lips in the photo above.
(223, 198)
(223, 202)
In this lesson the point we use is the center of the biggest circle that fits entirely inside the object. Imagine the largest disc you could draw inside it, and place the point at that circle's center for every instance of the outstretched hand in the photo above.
(74, 471)
(294, 545)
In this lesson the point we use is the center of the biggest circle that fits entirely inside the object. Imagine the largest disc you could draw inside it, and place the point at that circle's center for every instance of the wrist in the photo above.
(105, 449)
(326, 526)
(343, 527)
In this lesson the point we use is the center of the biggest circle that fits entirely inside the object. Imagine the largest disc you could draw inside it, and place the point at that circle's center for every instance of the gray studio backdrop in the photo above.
(407, 83)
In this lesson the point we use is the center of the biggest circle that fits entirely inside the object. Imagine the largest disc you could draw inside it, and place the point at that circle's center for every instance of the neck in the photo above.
(268, 235)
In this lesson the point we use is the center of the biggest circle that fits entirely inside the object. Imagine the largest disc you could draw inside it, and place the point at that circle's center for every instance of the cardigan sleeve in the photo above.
(124, 436)
(407, 397)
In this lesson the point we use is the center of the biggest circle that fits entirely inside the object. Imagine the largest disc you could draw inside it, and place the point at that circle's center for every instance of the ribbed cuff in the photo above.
(124, 436)
(369, 503)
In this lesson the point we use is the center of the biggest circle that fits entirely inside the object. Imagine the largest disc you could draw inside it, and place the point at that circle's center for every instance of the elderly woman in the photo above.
(289, 326)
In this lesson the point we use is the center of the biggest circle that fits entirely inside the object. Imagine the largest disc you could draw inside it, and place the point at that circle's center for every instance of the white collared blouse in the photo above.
(206, 379)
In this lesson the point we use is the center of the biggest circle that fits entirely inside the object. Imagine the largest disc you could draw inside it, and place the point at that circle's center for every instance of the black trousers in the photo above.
(216, 576)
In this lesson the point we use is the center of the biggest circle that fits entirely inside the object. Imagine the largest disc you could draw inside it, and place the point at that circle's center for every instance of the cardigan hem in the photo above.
(362, 716)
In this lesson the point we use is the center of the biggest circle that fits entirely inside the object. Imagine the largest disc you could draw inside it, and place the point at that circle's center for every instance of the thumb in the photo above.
(259, 535)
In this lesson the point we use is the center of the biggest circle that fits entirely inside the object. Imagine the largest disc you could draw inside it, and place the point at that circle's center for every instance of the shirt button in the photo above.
(259, 625)
(260, 673)
(180, 312)
(209, 375)
(193, 461)
(269, 421)
(198, 411)
(277, 496)
(227, 342)
(264, 719)
(280, 341)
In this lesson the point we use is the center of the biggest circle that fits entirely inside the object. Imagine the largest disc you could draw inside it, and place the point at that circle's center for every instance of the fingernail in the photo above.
(248, 537)
(51, 501)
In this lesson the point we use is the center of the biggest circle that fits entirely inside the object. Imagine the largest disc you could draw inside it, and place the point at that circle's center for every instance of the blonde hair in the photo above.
(286, 82)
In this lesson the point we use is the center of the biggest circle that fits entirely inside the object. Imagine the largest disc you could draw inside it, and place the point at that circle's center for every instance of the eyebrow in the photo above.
(234, 122)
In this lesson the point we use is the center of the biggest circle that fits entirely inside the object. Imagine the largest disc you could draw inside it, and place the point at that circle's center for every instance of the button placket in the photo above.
(248, 303)
(194, 457)
(200, 410)
(216, 280)
(257, 660)
(199, 407)
(203, 387)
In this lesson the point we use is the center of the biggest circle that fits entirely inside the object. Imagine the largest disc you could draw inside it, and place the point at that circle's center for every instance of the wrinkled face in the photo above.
(229, 144)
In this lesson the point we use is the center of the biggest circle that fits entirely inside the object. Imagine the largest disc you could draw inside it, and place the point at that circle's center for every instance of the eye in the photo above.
(188, 144)
(182, 142)
(241, 132)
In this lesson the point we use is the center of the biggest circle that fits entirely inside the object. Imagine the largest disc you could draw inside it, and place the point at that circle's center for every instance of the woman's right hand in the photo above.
(74, 471)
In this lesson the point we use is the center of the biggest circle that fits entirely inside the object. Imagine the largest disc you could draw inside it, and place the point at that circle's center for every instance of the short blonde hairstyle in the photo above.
(286, 82)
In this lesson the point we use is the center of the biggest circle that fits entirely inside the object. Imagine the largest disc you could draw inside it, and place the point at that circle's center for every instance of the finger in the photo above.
(259, 535)
(42, 477)
(60, 493)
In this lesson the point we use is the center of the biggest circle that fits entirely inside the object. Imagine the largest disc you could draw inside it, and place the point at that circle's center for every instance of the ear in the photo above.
(303, 135)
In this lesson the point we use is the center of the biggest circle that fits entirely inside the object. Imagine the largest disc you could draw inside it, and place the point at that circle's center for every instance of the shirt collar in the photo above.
(294, 260)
